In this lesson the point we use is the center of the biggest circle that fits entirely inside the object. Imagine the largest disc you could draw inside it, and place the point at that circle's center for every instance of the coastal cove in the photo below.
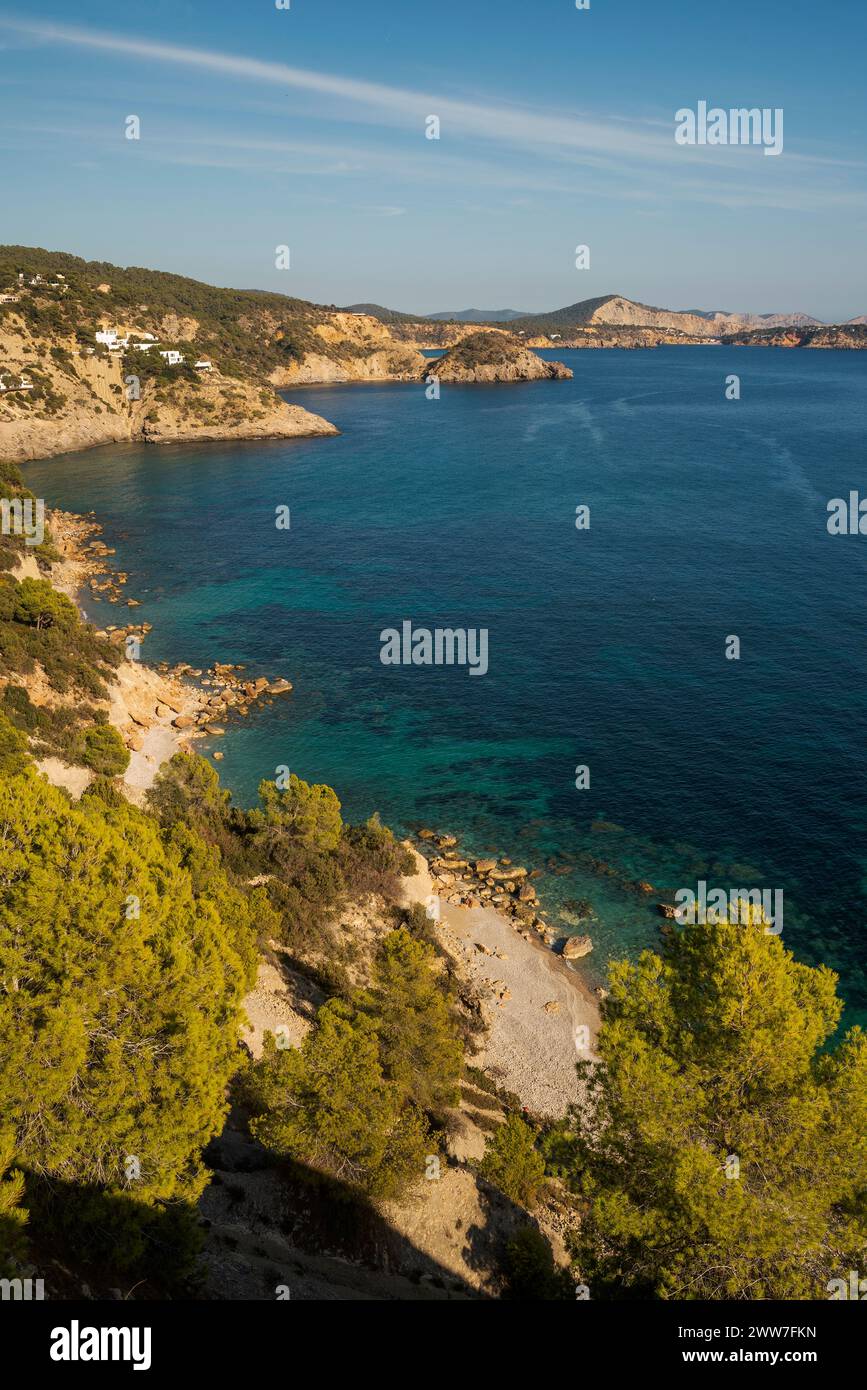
(606, 646)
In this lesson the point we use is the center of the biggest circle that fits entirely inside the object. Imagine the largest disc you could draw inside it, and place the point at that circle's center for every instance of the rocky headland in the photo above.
(81, 398)
(493, 356)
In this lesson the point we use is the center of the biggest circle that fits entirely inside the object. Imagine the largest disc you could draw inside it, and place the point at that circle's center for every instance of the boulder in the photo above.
(574, 947)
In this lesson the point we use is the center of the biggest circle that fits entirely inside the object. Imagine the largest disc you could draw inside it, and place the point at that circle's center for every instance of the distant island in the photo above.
(489, 357)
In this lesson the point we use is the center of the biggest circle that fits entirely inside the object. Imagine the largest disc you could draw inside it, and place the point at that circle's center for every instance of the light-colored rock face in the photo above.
(89, 405)
(627, 312)
(355, 347)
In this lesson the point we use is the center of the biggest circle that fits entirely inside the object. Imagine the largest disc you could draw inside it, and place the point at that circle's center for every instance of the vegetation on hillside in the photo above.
(485, 349)
(124, 954)
(43, 641)
(356, 1099)
(724, 1152)
(250, 332)
(721, 1152)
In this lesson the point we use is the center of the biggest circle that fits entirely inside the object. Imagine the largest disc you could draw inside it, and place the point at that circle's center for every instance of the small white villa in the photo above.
(108, 336)
(143, 342)
(23, 384)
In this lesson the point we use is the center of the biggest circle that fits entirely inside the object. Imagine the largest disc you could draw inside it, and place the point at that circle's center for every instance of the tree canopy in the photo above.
(723, 1153)
(122, 970)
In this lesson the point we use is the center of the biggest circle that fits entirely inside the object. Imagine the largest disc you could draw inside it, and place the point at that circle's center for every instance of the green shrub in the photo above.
(512, 1164)
(104, 751)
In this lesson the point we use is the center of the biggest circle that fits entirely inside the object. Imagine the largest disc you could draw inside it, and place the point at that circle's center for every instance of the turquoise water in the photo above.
(606, 645)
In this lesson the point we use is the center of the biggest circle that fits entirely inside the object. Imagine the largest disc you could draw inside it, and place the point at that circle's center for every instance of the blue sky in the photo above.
(262, 127)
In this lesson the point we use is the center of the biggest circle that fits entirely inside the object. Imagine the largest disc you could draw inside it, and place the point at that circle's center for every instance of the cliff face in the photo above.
(79, 400)
(351, 347)
(487, 357)
(425, 334)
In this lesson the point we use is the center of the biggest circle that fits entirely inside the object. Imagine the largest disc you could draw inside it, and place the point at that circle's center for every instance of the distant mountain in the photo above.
(862, 318)
(477, 315)
(615, 310)
(377, 311)
(606, 311)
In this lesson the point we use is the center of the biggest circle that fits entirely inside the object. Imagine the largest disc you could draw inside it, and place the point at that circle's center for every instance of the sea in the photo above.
(676, 683)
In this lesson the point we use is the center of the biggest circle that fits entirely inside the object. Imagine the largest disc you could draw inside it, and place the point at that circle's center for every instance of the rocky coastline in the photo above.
(495, 882)
(158, 710)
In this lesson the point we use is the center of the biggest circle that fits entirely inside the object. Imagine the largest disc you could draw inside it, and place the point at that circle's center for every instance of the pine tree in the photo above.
(724, 1150)
(121, 978)
(328, 1104)
(512, 1163)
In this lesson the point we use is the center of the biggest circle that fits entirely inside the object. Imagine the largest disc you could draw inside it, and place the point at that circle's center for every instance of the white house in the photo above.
(107, 336)
(8, 298)
(204, 365)
(144, 346)
(172, 356)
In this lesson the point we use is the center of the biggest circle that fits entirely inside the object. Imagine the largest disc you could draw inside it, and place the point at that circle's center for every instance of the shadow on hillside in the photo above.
(325, 1240)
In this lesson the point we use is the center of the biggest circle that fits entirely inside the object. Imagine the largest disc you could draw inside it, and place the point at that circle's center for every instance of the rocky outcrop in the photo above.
(80, 400)
(844, 335)
(574, 947)
(350, 347)
(488, 357)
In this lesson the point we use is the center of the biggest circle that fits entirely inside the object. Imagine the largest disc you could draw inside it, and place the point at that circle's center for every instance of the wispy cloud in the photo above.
(626, 154)
(502, 123)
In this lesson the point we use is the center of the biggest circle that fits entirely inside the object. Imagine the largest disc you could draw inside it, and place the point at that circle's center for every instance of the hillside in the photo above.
(63, 395)
(495, 356)
(616, 311)
(605, 321)
(378, 311)
(846, 335)
(251, 332)
(62, 389)
(476, 315)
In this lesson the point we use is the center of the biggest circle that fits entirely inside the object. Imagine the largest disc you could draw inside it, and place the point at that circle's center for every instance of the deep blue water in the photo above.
(607, 646)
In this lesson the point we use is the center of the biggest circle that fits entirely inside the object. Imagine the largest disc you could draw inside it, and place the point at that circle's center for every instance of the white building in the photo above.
(172, 356)
(204, 365)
